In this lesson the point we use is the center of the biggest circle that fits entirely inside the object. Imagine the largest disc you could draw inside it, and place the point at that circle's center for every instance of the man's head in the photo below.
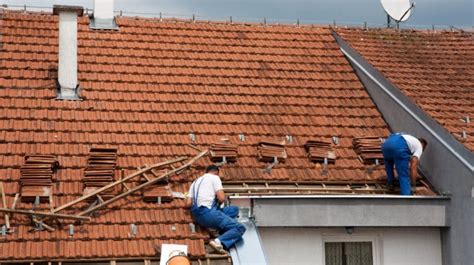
(213, 169)
(423, 142)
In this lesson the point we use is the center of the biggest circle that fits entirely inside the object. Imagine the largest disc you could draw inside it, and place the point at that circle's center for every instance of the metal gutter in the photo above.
(460, 157)
(383, 197)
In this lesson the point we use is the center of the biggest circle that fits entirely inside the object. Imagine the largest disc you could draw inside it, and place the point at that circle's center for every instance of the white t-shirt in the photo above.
(414, 145)
(208, 185)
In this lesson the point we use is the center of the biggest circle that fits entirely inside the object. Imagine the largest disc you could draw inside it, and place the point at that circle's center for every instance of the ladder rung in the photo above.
(146, 177)
(100, 198)
(125, 185)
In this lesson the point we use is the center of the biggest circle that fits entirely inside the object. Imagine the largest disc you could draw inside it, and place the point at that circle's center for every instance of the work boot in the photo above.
(217, 247)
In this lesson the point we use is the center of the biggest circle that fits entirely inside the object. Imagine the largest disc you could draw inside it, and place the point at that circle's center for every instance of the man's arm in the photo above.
(188, 202)
(220, 196)
(413, 171)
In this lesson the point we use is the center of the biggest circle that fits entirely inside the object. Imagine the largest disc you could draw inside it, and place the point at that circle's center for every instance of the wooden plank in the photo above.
(138, 173)
(51, 203)
(101, 200)
(146, 184)
(53, 215)
(273, 189)
(4, 203)
(146, 177)
(125, 186)
(15, 200)
(45, 226)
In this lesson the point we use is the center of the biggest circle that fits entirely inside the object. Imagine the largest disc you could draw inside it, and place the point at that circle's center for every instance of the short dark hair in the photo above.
(212, 168)
(423, 142)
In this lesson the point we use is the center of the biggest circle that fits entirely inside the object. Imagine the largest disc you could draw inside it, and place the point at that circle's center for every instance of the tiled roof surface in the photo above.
(145, 88)
(435, 69)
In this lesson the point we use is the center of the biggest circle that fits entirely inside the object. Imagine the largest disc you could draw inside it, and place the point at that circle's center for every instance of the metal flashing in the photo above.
(64, 93)
(66, 8)
(107, 24)
(397, 97)
(103, 16)
(249, 250)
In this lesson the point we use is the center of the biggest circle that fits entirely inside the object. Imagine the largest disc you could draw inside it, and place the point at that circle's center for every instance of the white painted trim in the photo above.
(409, 111)
(381, 196)
(373, 238)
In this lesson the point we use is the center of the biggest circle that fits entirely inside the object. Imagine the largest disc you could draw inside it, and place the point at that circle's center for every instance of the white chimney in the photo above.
(67, 65)
(103, 15)
(104, 9)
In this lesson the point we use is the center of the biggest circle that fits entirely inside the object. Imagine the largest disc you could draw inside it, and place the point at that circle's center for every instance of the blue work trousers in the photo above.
(396, 152)
(222, 220)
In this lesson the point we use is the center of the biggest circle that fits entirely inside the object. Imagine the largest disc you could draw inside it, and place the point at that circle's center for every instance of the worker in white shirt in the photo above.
(403, 151)
(206, 194)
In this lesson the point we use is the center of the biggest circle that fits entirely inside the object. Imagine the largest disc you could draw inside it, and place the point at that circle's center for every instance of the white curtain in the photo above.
(348, 253)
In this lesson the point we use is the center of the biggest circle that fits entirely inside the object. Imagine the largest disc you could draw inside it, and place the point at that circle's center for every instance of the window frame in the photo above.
(334, 238)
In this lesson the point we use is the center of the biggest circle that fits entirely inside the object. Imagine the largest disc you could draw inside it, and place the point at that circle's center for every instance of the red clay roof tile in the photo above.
(145, 88)
(432, 68)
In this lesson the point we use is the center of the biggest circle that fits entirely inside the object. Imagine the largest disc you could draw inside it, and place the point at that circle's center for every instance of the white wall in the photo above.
(392, 246)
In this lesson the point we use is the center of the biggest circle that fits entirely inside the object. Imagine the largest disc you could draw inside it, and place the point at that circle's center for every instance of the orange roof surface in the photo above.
(145, 88)
(434, 69)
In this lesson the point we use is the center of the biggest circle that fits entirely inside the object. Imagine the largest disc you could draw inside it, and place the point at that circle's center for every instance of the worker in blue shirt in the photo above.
(403, 151)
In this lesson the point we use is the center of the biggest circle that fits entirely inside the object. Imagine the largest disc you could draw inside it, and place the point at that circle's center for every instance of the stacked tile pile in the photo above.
(222, 149)
(37, 177)
(319, 150)
(268, 150)
(369, 149)
(100, 170)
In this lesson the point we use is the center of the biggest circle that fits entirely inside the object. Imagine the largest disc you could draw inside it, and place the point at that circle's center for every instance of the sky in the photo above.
(440, 13)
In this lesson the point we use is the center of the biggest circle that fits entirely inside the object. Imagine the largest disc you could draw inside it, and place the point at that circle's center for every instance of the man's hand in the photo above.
(220, 196)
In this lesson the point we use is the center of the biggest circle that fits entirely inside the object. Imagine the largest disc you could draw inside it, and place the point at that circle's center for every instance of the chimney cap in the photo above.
(60, 8)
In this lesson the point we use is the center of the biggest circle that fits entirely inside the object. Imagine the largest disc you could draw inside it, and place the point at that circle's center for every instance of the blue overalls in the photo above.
(220, 219)
(395, 151)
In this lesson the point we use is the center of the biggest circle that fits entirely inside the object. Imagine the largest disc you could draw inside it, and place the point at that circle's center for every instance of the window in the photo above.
(348, 253)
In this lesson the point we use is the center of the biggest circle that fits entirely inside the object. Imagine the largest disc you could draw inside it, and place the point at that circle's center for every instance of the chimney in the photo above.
(103, 17)
(67, 65)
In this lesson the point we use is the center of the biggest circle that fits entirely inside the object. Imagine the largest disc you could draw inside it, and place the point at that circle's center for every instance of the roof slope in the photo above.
(145, 88)
(435, 69)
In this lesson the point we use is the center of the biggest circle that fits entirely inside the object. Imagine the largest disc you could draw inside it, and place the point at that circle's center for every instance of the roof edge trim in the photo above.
(345, 49)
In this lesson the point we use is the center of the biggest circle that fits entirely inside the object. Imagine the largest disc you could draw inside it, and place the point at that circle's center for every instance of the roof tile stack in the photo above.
(319, 150)
(222, 149)
(269, 150)
(100, 170)
(37, 177)
(369, 149)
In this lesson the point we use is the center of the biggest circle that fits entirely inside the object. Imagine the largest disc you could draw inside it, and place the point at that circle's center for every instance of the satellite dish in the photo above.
(398, 10)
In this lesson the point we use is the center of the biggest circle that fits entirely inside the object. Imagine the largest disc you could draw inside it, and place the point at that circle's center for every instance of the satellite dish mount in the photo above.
(398, 10)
